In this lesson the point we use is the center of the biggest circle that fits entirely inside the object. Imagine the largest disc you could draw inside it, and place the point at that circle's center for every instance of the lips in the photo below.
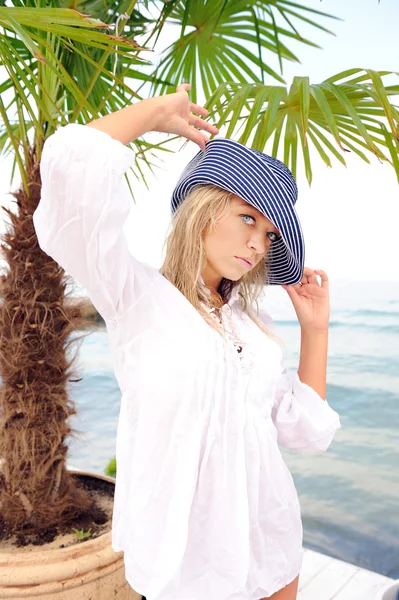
(245, 261)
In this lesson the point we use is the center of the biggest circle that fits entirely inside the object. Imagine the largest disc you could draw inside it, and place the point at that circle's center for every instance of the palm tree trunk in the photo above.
(35, 327)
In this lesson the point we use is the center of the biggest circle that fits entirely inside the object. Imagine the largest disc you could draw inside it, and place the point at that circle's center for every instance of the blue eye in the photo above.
(272, 236)
(249, 217)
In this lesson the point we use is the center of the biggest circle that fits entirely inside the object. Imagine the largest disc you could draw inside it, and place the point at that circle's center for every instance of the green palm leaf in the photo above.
(60, 70)
(342, 114)
(215, 31)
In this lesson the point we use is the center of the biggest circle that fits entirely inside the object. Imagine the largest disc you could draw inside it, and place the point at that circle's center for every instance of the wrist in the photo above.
(155, 113)
(314, 331)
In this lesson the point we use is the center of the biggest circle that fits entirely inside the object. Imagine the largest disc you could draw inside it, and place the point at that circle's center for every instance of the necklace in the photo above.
(242, 348)
(231, 334)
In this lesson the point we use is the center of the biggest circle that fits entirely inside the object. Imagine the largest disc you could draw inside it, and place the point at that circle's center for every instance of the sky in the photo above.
(349, 216)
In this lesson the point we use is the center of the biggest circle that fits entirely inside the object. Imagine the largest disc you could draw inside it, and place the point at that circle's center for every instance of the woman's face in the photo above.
(240, 239)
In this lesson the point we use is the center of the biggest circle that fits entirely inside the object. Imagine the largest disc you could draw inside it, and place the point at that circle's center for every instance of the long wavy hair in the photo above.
(185, 256)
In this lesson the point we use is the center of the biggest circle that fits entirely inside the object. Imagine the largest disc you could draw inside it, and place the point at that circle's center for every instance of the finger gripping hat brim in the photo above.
(264, 182)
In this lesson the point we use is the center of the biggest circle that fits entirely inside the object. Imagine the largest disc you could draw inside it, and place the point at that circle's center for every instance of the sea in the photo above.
(349, 495)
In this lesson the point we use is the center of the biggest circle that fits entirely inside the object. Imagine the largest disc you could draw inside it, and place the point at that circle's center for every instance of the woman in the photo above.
(205, 507)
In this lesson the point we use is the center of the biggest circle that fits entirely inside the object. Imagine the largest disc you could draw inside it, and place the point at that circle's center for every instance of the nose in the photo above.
(259, 242)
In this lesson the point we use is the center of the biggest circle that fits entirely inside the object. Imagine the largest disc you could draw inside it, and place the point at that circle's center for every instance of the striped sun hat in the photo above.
(262, 181)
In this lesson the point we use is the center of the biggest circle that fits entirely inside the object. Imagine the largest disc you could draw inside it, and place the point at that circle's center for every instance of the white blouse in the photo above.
(205, 507)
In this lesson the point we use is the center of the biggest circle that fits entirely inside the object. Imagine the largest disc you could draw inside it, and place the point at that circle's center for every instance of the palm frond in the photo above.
(217, 29)
(59, 66)
(351, 112)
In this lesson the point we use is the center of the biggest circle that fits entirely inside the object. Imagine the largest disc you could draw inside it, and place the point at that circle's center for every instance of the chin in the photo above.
(232, 275)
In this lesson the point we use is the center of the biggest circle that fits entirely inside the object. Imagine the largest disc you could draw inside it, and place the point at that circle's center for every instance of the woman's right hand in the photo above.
(175, 116)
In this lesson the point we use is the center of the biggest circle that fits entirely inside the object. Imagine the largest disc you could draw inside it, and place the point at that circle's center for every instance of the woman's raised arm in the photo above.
(85, 200)
(172, 113)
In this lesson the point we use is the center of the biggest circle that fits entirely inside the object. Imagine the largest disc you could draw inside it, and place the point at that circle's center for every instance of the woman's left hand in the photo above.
(311, 300)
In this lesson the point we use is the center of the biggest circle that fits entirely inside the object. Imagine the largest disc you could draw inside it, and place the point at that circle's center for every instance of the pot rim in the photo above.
(101, 543)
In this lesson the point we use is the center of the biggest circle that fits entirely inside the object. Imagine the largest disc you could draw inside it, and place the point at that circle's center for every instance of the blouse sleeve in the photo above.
(305, 422)
(79, 220)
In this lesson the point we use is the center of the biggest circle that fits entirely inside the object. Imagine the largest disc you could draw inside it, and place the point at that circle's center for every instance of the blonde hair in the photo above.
(185, 256)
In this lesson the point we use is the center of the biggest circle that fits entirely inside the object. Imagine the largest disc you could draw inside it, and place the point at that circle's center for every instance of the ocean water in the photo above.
(349, 495)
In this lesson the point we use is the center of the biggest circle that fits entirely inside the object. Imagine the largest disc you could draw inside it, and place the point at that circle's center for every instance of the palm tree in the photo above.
(60, 70)
(58, 66)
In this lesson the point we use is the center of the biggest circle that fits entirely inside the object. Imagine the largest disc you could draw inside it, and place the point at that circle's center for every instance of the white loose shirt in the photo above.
(205, 507)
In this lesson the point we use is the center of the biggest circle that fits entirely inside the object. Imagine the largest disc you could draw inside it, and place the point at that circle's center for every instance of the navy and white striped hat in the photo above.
(264, 182)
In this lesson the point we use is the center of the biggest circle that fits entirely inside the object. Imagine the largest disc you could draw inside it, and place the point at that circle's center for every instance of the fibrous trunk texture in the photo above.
(35, 328)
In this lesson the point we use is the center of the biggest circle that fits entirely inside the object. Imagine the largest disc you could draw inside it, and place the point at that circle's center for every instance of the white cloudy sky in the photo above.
(350, 217)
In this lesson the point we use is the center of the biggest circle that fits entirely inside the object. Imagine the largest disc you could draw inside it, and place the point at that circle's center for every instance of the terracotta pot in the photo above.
(85, 571)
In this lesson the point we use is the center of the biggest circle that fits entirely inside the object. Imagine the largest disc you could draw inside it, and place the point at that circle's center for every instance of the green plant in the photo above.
(110, 469)
(57, 66)
(81, 533)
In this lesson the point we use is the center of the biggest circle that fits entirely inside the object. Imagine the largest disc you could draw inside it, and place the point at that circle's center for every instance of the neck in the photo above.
(211, 279)
(215, 299)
